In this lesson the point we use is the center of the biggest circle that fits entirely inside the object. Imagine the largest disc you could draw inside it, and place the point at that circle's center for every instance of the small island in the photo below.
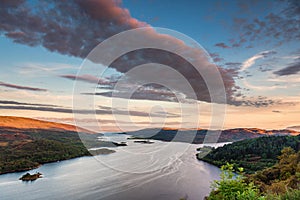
(29, 177)
(143, 141)
(101, 151)
(120, 144)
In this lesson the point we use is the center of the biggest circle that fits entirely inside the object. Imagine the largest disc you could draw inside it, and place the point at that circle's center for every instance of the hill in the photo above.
(252, 154)
(28, 123)
(198, 137)
(27, 143)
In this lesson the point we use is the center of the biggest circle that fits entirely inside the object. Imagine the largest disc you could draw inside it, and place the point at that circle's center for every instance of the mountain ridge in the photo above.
(201, 135)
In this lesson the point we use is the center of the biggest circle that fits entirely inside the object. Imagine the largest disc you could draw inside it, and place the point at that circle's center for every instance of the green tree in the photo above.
(233, 187)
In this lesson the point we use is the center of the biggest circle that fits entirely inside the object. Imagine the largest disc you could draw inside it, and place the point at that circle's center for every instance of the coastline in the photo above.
(101, 151)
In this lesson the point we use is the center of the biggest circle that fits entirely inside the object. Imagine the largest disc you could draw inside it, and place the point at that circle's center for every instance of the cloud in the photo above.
(104, 121)
(222, 45)
(101, 110)
(25, 104)
(75, 27)
(282, 79)
(39, 69)
(297, 127)
(266, 54)
(264, 101)
(251, 61)
(121, 111)
(263, 88)
(276, 111)
(20, 87)
(289, 70)
(57, 25)
(257, 102)
(216, 57)
(265, 68)
(63, 110)
(233, 64)
(281, 26)
(42, 108)
(145, 92)
(88, 79)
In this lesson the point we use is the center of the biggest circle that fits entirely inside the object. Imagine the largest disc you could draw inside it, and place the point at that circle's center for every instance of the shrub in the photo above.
(233, 187)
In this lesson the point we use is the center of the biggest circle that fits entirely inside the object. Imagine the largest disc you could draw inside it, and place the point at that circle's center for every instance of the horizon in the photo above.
(58, 122)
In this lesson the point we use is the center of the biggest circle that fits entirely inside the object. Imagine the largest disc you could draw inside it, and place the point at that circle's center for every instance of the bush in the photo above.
(233, 187)
(289, 195)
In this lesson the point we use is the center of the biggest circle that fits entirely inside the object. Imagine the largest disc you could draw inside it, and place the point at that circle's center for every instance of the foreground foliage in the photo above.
(280, 182)
(230, 187)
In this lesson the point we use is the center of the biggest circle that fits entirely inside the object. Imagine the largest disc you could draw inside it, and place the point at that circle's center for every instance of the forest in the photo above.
(251, 154)
(25, 149)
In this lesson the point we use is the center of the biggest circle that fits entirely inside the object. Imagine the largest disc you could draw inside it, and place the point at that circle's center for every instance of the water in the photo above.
(159, 171)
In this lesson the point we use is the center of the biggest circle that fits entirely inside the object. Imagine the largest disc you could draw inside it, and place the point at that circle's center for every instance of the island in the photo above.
(29, 177)
(143, 141)
(101, 151)
(120, 144)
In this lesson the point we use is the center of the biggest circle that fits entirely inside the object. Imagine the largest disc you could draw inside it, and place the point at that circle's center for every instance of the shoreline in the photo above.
(41, 164)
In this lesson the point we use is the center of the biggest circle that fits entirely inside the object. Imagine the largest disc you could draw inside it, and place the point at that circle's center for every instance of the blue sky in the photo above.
(256, 44)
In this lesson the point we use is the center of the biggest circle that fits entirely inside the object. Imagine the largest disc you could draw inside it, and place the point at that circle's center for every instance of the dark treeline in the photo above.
(252, 154)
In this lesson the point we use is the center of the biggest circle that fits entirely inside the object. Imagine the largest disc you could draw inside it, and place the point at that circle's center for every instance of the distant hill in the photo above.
(28, 123)
(27, 143)
(252, 154)
(198, 136)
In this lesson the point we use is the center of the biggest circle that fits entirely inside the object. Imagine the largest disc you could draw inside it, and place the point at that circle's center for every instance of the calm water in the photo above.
(159, 171)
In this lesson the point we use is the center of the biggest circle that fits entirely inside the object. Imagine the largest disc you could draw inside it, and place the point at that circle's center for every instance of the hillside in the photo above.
(28, 123)
(279, 182)
(252, 154)
(229, 135)
(282, 176)
(27, 143)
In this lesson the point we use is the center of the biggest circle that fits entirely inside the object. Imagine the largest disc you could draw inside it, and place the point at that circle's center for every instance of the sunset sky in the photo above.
(254, 44)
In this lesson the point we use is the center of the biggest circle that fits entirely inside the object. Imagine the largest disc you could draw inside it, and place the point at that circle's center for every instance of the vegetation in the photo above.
(252, 154)
(280, 182)
(289, 195)
(24, 149)
(233, 188)
(282, 176)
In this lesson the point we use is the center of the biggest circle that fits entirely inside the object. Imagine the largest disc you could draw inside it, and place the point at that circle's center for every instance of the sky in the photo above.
(47, 70)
